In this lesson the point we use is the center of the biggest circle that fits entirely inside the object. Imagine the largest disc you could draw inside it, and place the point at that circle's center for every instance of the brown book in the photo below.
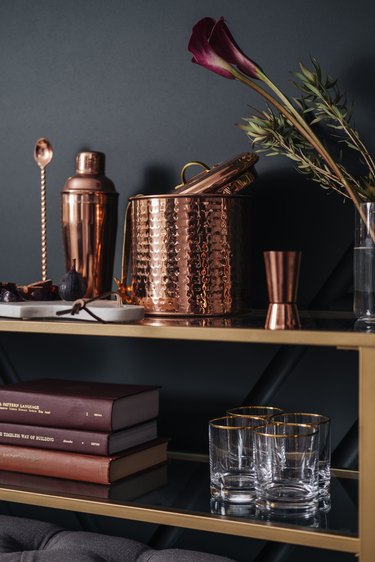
(126, 489)
(92, 406)
(77, 440)
(77, 466)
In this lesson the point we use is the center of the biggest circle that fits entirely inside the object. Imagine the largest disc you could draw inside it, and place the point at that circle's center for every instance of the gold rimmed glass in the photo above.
(265, 412)
(286, 463)
(231, 451)
(323, 424)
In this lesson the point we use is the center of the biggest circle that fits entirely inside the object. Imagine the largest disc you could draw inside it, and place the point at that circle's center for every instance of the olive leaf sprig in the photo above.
(323, 98)
(321, 102)
(272, 134)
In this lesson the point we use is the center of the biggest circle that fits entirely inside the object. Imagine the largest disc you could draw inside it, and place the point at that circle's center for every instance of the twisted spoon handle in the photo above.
(43, 216)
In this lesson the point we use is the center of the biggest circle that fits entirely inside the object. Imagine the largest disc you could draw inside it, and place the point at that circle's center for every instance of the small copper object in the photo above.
(189, 250)
(43, 154)
(282, 273)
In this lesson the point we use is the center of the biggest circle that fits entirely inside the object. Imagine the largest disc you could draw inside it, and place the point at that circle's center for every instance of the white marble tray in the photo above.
(109, 311)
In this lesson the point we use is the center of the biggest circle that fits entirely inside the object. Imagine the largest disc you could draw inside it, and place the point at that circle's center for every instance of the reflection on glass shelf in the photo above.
(366, 327)
(184, 485)
(128, 489)
(337, 512)
(319, 519)
(310, 320)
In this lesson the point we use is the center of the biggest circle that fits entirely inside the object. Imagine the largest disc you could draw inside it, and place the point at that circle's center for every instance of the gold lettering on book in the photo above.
(30, 408)
(98, 415)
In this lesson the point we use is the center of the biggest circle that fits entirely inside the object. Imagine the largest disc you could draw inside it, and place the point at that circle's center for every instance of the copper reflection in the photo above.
(87, 238)
(282, 274)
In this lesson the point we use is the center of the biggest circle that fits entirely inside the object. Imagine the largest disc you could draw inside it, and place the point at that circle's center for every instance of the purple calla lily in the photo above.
(203, 53)
(214, 48)
(225, 46)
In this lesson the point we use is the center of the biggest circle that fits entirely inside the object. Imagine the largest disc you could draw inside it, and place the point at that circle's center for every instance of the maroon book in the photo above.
(77, 466)
(92, 406)
(77, 440)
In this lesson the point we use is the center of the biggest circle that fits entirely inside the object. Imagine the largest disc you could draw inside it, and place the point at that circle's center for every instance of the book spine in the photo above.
(58, 464)
(76, 441)
(92, 414)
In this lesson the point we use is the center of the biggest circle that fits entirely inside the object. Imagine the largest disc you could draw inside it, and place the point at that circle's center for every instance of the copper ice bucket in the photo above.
(190, 252)
(190, 255)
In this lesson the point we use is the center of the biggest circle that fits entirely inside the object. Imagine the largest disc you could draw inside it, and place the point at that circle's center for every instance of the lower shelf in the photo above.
(177, 494)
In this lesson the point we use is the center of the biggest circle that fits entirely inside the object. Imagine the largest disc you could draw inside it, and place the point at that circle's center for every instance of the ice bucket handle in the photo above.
(125, 291)
(186, 167)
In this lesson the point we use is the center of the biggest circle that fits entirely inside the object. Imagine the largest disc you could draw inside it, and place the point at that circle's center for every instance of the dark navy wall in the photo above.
(116, 76)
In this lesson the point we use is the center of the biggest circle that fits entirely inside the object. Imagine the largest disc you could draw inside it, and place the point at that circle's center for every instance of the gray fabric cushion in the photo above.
(26, 540)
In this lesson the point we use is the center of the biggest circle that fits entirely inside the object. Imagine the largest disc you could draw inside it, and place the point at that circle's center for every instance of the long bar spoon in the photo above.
(43, 153)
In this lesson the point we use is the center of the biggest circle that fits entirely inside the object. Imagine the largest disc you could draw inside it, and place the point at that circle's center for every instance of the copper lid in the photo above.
(223, 178)
(90, 163)
(89, 176)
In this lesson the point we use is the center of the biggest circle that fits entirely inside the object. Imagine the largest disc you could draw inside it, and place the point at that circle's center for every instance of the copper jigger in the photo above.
(282, 273)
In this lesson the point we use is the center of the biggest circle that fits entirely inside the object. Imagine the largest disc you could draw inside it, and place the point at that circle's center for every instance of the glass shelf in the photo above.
(177, 494)
(335, 529)
(318, 328)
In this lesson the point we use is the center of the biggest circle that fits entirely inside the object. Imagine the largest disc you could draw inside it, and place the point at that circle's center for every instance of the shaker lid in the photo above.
(223, 178)
(90, 163)
(89, 176)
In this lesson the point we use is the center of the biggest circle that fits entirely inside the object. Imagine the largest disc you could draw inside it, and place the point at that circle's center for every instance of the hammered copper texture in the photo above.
(190, 255)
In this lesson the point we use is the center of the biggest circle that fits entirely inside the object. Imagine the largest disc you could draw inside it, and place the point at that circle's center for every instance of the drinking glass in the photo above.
(264, 412)
(286, 461)
(323, 424)
(231, 448)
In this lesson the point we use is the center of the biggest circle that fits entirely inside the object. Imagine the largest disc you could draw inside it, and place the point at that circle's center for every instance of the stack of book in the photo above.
(82, 431)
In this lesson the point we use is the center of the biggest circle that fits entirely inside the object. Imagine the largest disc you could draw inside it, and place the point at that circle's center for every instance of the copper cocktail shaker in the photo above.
(89, 222)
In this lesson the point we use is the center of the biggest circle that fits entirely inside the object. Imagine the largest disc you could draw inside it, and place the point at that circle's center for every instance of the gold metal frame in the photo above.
(350, 341)
(188, 520)
(363, 343)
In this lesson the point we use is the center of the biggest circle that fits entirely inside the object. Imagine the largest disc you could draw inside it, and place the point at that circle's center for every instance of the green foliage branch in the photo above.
(320, 104)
